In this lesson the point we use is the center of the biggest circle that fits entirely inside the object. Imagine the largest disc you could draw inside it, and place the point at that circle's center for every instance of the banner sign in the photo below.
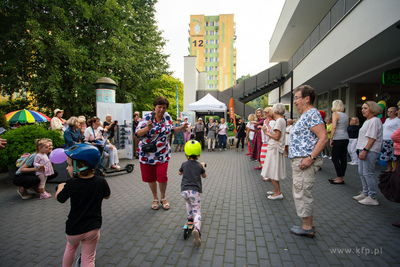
(391, 77)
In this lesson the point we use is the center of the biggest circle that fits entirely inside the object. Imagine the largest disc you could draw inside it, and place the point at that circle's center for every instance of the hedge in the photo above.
(22, 140)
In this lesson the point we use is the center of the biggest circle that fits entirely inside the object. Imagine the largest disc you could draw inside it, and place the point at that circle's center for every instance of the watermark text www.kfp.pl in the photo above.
(357, 250)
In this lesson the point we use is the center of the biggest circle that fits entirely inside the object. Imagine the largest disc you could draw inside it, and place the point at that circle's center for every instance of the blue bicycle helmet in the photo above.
(86, 153)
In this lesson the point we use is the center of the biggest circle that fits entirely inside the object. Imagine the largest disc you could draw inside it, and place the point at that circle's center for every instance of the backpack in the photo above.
(22, 160)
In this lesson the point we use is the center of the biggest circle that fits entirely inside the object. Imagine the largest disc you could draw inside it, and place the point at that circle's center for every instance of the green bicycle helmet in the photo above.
(192, 148)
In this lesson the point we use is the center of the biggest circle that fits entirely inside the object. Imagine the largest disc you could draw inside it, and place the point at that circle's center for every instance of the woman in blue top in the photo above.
(72, 135)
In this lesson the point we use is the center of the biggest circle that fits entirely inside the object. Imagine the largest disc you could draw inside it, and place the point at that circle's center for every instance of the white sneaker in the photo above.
(330, 158)
(359, 197)
(369, 201)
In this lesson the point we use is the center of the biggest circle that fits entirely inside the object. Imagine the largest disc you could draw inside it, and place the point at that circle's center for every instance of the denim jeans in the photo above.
(222, 141)
(366, 169)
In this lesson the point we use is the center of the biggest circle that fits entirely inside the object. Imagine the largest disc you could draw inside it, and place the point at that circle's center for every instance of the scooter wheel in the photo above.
(129, 168)
(185, 234)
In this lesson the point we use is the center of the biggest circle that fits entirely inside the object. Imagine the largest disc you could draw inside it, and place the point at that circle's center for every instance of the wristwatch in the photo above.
(364, 149)
(312, 157)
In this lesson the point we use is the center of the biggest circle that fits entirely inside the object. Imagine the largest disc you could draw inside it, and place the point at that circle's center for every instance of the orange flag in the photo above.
(232, 113)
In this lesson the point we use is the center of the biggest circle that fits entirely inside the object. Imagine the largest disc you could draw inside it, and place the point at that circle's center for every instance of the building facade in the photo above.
(212, 41)
(341, 48)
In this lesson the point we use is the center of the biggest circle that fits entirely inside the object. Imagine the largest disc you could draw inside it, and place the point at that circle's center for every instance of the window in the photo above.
(206, 32)
(211, 32)
(205, 68)
(216, 23)
(210, 86)
(210, 68)
(211, 24)
(216, 41)
(216, 32)
(206, 59)
(216, 77)
(211, 59)
(211, 41)
(216, 59)
(211, 77)
(216, 68)
(206, 50)
(216, 86)
(211, 50)
(206, 41)
(206, 23)
(216, 50)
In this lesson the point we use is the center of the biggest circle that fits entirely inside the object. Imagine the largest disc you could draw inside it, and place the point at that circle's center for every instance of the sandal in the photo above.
(166, 205)
(155, 204)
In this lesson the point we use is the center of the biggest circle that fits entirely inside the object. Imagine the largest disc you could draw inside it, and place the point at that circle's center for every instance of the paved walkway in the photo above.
(241, 227)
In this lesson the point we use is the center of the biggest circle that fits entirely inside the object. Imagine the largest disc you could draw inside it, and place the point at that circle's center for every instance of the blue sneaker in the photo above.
(298, 230)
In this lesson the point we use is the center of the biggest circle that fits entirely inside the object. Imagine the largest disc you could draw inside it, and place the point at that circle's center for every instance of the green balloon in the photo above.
(380, 116)
(382, 106)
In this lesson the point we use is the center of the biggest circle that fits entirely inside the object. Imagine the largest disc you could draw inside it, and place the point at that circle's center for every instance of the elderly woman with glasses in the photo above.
(307, 140)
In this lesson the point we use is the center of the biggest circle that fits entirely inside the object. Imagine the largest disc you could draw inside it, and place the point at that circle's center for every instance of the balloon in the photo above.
(380, 116)
(382, 106)
(383, 103)
(58, 156)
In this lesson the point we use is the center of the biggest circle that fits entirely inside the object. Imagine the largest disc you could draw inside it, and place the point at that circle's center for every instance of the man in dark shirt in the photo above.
(199, 132)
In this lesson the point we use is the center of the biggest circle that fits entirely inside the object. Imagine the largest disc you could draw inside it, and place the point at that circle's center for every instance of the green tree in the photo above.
(58, 49)
(165, 86)
(259, 102)
(244, 77)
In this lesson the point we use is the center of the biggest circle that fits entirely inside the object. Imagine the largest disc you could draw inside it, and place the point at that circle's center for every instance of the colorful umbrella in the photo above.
(26, 116)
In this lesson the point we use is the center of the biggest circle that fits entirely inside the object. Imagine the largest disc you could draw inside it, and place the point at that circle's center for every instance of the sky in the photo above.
(252, 43)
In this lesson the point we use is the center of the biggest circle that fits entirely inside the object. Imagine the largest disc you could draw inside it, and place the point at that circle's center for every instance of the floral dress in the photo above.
(178, 137)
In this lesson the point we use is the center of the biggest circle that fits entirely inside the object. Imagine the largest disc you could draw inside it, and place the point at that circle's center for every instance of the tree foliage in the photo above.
(166, 86)
(58, 49)
(242, 78)
(259, 102)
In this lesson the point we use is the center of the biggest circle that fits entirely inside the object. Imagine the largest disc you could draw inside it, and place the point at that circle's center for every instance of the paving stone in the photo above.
(240, 226)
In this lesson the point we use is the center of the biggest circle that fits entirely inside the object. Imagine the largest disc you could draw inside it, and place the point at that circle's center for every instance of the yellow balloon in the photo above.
(382, 102)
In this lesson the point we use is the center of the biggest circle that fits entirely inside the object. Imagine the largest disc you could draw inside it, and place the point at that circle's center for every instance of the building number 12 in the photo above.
(200, 43)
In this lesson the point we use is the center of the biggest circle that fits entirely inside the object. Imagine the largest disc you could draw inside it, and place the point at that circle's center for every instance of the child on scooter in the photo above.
(191, 187)
(86, 192)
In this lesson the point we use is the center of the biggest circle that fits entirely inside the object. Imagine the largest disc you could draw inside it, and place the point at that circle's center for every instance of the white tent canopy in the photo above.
(207, 103)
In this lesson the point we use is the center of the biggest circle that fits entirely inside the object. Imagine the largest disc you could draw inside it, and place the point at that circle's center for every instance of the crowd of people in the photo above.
(271, 139)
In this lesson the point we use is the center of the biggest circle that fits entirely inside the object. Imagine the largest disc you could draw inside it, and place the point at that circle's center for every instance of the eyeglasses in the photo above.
(297, 97)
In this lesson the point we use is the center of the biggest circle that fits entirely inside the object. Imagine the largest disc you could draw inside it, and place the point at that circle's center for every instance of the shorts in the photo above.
(153, 173)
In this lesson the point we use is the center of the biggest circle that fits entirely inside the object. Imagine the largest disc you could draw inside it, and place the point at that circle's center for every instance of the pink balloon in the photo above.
(58, 156)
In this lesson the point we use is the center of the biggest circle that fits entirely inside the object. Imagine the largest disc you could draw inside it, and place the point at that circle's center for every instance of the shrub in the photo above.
(3, 122)
(22, 140)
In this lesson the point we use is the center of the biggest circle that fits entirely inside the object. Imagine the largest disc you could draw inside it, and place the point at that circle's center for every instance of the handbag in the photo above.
(150, 147)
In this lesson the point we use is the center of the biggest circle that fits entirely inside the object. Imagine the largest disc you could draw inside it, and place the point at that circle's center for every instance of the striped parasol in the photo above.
(26, 116)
